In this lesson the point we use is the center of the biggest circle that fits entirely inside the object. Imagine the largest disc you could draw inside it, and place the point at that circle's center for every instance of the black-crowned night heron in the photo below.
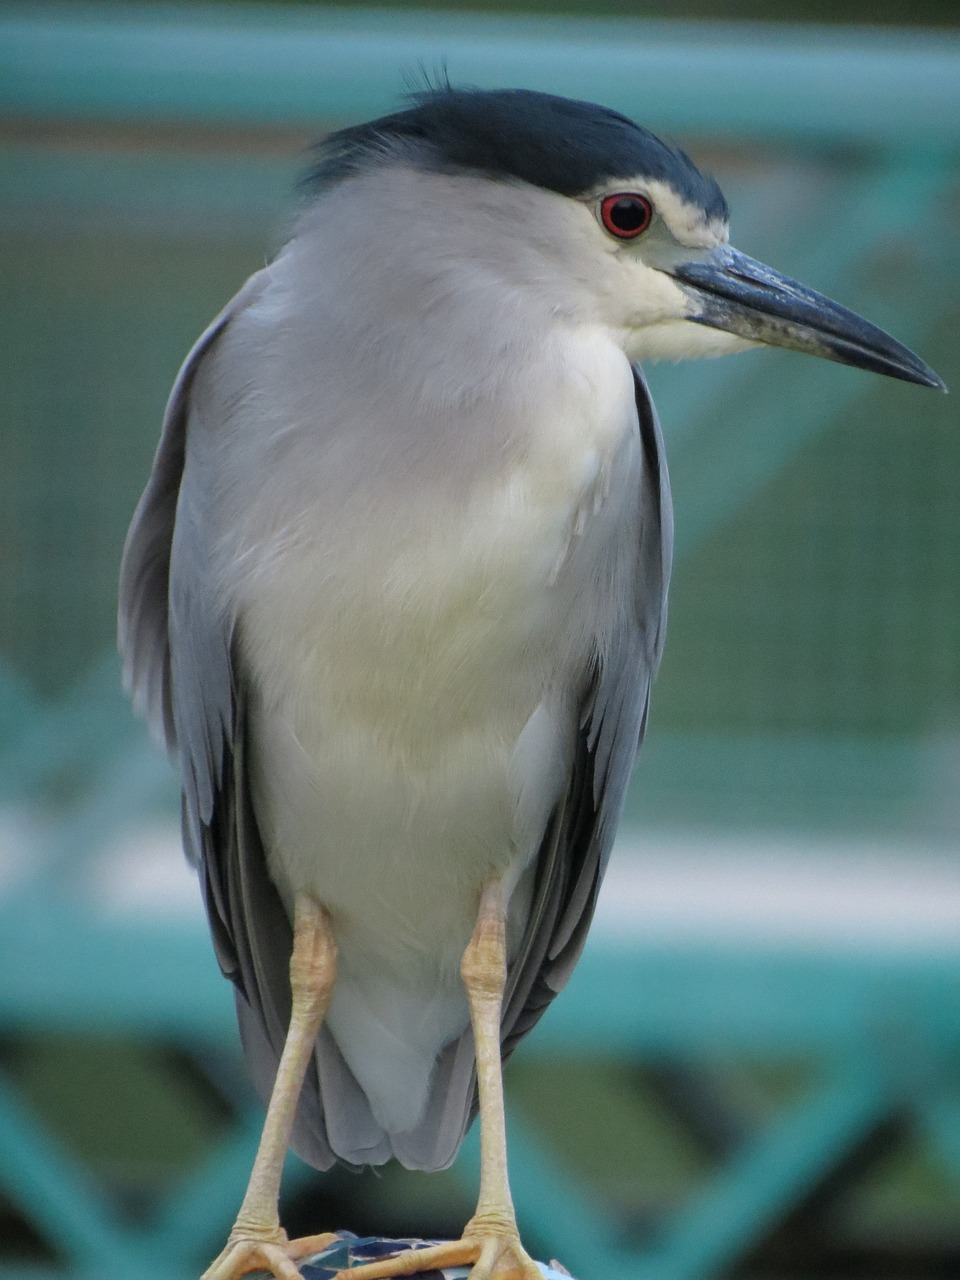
(395, 595)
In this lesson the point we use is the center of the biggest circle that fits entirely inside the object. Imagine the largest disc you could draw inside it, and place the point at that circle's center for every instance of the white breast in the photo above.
(416, 704)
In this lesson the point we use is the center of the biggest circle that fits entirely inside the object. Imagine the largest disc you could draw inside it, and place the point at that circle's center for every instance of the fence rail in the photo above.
(269, 66)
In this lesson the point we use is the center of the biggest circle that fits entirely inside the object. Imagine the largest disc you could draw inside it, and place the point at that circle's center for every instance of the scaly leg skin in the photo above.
(257, 1241)
(490, 1241)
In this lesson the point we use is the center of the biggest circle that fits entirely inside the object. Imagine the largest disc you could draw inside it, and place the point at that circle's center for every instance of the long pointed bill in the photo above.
(730, 291)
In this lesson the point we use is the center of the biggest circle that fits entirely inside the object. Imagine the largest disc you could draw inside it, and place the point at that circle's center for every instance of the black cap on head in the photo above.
(563, 145)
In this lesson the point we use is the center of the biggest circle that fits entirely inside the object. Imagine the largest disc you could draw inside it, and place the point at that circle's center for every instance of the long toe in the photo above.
(491, 1257)
(274, 1254)
(307, 1246)
(502, 1259)
(451, 1253)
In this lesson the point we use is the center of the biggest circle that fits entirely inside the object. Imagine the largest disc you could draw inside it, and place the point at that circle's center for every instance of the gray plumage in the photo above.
(182, 672)
(395, 593)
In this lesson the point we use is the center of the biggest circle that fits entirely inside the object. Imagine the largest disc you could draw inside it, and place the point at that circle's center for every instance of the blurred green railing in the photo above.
(264, 66)
(811, 680)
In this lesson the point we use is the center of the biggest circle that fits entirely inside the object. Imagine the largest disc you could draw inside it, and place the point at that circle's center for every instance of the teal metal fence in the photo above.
(810, 698)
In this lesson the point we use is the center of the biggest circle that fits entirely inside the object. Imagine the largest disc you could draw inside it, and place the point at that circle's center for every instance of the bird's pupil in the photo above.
(628, 215)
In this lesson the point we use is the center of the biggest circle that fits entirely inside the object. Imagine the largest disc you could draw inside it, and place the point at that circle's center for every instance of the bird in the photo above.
(395, 596)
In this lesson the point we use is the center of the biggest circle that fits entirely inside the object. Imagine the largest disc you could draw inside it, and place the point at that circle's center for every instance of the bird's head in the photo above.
(623, 221)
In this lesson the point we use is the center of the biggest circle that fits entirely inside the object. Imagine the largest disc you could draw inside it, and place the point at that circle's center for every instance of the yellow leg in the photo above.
(257, 1241)
(490, 1242)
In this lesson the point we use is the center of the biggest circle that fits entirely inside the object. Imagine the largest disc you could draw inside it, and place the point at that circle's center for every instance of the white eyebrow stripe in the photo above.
(687, 222)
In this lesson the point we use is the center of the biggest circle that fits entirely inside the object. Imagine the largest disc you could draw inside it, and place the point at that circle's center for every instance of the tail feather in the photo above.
(334, 1121)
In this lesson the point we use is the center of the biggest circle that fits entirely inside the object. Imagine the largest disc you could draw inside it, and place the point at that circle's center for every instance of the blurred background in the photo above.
(755, 1072)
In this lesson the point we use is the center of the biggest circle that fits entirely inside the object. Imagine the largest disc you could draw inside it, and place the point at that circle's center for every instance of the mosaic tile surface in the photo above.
(351, 1251)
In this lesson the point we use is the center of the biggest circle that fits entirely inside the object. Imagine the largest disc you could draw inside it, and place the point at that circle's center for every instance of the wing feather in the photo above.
(579, 838)
(177, 652)
(177, 659)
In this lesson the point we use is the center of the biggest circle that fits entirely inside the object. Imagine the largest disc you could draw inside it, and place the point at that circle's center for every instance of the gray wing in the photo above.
(579, 838)
(143, 623)
(177, 660)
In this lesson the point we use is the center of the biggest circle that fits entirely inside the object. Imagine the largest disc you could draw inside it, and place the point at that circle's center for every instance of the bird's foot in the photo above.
(269, 1250)
(491, 1249)
(504, 1258)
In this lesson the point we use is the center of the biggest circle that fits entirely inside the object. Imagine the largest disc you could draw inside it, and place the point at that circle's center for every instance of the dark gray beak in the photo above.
(733, 292)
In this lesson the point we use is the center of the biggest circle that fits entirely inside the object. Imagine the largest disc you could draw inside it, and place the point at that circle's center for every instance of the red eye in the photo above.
(625, 215)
